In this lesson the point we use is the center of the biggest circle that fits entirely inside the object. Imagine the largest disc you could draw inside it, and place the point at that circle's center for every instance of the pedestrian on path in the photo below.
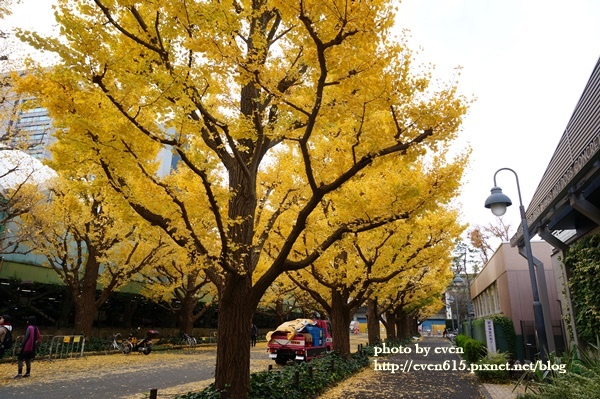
(253, 335)
(5, 332)
(28, 347)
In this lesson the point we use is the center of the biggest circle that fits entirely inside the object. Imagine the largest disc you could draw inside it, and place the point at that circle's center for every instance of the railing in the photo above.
(52, 347)
(66, 346)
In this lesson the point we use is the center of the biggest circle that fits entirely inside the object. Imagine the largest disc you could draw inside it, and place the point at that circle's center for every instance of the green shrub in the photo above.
(460, 340)
(93, 344)
(577, 378)
(493, 376)
(474, 350)
(280, 383)
(571, 385)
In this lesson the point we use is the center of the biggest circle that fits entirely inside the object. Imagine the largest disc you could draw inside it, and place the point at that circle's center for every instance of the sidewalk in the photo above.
(418, 372)
(497, 391)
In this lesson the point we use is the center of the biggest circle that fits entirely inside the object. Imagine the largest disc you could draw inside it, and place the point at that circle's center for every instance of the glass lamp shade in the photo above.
(497, 201)
(458, 281)
(498, 209)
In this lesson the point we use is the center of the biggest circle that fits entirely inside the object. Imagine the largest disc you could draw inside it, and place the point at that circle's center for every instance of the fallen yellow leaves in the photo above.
(74, 369)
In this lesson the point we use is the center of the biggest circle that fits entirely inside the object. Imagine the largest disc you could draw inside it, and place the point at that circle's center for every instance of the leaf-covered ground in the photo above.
(370, 384)
(432, 384)
(76, 369)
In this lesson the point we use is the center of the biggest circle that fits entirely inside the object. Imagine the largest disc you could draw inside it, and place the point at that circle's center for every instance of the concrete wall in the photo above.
(510, 273)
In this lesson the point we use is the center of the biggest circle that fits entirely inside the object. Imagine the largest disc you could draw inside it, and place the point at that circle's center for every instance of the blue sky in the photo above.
(525, 61)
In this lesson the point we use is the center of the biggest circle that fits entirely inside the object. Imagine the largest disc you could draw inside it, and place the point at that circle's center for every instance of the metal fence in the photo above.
(51, 347)
(66, 346)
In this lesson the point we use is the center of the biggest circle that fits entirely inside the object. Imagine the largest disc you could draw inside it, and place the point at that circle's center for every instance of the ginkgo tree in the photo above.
(283, 299)
(95, 245)
(382, 259)
(271, 107)
(181, 286)
(405, 301)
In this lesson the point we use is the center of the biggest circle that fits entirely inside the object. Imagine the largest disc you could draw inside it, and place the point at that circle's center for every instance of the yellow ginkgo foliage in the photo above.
(380, 263)
(92, 240)
(181, 285)
(273, 109)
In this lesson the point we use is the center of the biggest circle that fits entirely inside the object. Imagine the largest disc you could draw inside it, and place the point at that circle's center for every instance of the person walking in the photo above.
(28, 347)
(5, 329)
(253, 335)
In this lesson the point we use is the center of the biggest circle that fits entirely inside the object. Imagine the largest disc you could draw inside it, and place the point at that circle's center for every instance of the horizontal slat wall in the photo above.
(583, 128)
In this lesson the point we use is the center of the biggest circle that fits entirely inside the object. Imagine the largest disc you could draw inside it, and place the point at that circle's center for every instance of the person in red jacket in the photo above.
(28, 347)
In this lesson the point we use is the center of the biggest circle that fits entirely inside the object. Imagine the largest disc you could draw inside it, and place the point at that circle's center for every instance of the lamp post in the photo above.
(455, 300)
(450, 301)
(497, 203)
(458, 282)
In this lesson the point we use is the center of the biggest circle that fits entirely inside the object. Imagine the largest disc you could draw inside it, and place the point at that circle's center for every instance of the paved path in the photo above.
(418, 374)
(111, 385)
(432, 382)
(118, 382)
(501, 391)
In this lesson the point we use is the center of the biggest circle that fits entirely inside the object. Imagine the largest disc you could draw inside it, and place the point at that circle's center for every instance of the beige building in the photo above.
(503, 287)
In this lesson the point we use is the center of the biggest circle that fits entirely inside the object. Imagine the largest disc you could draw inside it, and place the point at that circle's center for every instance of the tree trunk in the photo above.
(85, 313)
(68, 306)
(237, 298)
(232, 372)
(390, 326)
(186, 315)
(340, 323)
(402, 321)
(373, 322)
(279, 312)
(399, 328)
(129, 310)
(414, 330)
(84, 296)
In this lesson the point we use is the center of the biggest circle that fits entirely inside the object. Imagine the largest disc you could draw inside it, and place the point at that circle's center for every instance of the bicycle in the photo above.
(118, 344)
(187, 340)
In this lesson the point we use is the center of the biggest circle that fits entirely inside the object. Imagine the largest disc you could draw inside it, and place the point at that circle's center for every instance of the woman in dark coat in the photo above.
(28, 347)
(5, 328)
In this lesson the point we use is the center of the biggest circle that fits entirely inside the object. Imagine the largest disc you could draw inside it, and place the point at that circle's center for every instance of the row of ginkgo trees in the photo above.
(307, 146)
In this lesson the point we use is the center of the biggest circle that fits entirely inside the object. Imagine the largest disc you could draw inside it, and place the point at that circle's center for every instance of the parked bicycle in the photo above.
(186, 340)
(118, 344)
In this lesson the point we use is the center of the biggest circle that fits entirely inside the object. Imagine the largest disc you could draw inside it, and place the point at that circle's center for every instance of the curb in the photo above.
(485, 392)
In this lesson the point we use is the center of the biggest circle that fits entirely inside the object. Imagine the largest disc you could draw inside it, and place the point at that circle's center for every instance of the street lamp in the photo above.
(497, 203)
(451, 300)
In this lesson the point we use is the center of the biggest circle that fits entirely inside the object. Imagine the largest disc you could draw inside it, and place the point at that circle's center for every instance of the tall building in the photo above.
(35, 132)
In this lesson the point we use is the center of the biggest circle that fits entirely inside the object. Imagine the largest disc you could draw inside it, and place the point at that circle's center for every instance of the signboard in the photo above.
(449, 300)
(490, 337)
